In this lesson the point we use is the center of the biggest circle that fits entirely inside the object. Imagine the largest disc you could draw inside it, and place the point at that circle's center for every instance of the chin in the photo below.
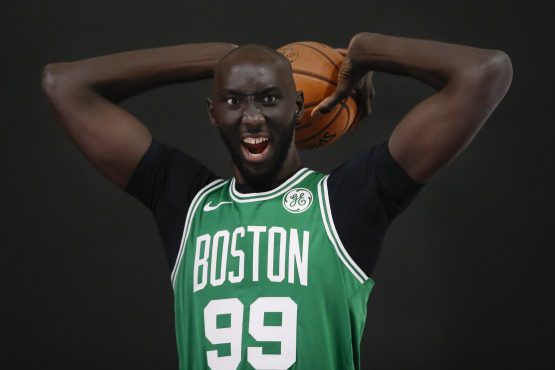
(264, 169)
(265, 174)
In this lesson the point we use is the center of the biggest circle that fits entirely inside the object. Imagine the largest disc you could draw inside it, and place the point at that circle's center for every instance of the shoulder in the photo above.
(365, 194)
(374, 171)
(167, 171)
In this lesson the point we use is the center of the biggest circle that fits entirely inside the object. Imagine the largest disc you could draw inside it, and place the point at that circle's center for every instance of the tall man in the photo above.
(270, 269)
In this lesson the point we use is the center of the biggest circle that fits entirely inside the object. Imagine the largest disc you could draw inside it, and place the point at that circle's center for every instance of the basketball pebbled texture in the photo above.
(315, 70)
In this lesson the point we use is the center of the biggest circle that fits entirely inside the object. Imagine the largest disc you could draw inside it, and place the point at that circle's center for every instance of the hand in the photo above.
(354, 80)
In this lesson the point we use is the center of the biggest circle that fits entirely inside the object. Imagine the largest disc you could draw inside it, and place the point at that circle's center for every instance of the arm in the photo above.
(84, 95)
(470, 83)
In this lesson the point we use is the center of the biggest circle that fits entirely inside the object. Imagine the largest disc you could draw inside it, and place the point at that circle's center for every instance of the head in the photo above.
(255, 106)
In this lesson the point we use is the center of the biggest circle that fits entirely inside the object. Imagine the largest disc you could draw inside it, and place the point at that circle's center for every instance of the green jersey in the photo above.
(262, 281)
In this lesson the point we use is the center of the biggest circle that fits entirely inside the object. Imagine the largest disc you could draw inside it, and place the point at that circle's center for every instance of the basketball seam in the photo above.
(322, 130)
(303, 126)
(321, 49)
(312, 104)
(312, 74)
(320, 52)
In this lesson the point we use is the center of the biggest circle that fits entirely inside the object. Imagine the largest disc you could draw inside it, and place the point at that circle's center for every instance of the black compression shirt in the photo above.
(366, 193)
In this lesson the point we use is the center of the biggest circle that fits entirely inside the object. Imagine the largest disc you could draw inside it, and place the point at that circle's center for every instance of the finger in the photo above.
(364, 109)
(342, 92)
(363, 96)
(325, 106)
(364, 91)
(369, 81)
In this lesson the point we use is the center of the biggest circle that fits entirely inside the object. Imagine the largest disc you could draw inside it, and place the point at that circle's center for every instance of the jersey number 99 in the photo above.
(286, 333)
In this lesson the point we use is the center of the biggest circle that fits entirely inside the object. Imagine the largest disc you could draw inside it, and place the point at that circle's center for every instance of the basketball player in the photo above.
(270, 268)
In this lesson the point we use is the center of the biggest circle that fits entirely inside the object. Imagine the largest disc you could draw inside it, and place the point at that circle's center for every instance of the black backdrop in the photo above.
(464, 280)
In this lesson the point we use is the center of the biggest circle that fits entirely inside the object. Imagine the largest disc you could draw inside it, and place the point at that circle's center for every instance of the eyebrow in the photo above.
(239, 93)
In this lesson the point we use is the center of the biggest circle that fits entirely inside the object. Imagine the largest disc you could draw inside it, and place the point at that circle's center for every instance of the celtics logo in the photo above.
(297, 200)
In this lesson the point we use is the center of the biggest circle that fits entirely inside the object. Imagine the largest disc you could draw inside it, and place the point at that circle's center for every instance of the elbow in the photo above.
(501, 63)
(483, 84)
(492, 77)
(57, 82)
(52, 80)
(499, 72)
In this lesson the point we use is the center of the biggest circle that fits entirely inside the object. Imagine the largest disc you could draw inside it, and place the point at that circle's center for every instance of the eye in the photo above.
(268, 99)
(232, 101)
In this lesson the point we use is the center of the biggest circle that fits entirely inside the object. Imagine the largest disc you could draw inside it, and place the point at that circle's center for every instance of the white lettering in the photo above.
(282, 245)
(238, 254)
(295, 257)
(224, 235)
(216, 262)
(256, 230)
(203, 240)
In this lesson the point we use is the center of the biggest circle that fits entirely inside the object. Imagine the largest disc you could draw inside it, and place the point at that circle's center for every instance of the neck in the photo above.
(290, 166)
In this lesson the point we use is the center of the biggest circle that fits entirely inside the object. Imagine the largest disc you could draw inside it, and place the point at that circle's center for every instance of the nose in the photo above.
(252, 115)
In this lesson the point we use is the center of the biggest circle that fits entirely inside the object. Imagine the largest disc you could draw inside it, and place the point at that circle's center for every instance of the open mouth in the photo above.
(256, 148)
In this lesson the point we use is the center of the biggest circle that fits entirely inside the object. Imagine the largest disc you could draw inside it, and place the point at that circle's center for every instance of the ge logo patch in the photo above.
(297, 200)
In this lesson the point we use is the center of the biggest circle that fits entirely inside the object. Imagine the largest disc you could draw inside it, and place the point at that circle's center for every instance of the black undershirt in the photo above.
(366, 193)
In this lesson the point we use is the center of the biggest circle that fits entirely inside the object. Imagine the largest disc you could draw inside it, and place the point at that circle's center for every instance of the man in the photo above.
(270, 269)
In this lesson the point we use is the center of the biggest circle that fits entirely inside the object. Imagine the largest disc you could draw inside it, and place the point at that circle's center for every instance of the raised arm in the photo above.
(84, 95)
(470, 82)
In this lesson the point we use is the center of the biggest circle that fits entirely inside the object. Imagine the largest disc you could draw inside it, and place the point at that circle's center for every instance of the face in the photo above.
(255, 107)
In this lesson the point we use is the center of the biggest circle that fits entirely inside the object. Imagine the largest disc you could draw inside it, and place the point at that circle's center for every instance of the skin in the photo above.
(85, 95)
(254, 96)
(470, 83)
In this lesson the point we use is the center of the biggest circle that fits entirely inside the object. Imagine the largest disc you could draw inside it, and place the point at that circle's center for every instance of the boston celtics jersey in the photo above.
(262, 281)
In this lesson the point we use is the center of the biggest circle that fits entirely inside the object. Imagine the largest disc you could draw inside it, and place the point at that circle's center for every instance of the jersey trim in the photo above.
(190, 213)
(254, 197)
(332, 232)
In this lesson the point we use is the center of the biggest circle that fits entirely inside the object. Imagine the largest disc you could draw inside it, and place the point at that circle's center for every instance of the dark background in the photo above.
(465, 277)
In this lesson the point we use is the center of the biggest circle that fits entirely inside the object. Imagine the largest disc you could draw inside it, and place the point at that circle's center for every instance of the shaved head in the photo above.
(252, 54)
(255, 106)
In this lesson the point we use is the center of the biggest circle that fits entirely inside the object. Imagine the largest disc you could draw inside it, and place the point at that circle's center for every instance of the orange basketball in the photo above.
(315, 70)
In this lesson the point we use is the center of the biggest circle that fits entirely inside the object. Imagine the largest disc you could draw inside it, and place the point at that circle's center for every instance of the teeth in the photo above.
(255, 140)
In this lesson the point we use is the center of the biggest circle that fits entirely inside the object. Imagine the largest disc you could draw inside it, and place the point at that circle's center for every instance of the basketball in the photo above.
(315, 70)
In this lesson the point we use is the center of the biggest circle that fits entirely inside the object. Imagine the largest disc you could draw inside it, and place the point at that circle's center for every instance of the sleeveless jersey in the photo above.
(262, 281)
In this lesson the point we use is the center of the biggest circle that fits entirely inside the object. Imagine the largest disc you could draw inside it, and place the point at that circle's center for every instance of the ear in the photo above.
(299, 102)
(210, 107)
